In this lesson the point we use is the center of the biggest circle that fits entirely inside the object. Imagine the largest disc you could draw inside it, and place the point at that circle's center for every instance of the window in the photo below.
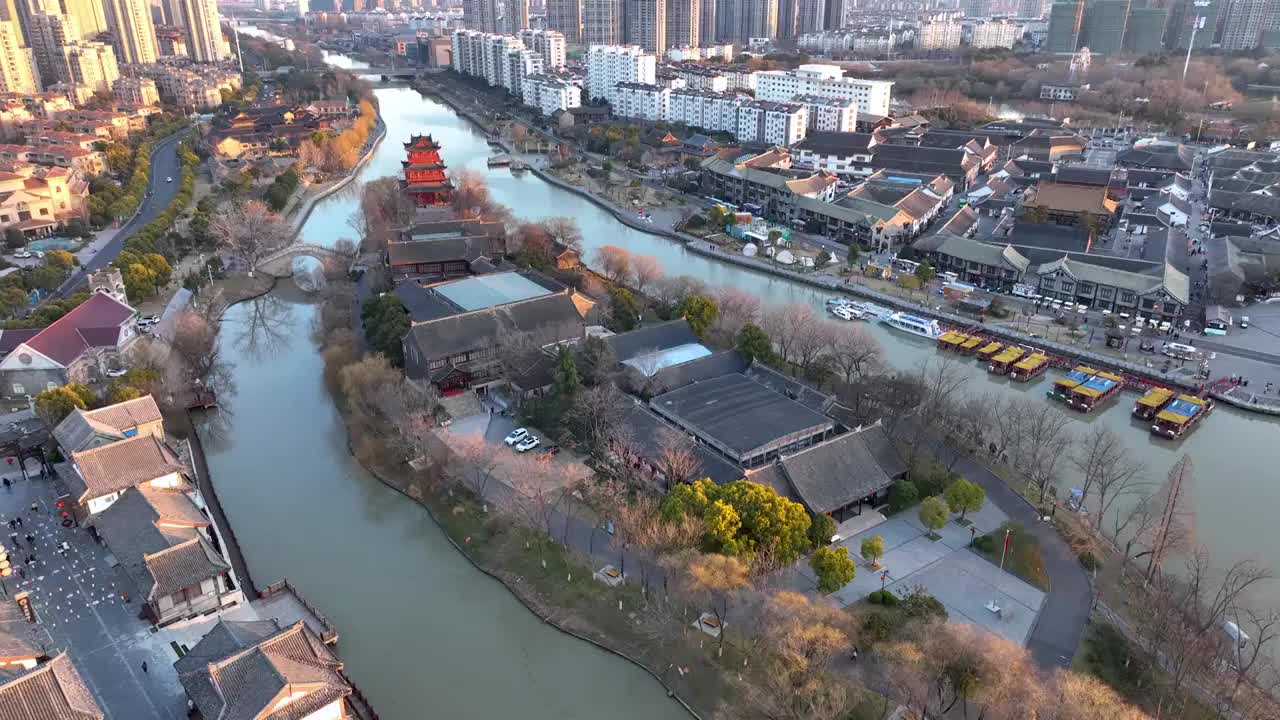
(437, 364)
(18, 389)
(1085, 288)
(1127, 297)
(208, 587)
(1106, 293)
(1148, 303)
(1048, 283)
(51, 386)
(1068, 286)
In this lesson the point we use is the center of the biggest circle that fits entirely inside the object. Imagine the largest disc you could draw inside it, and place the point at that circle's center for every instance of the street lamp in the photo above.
(1196, 26)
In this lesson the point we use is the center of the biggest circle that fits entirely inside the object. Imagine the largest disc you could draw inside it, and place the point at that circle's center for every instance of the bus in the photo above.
(905, 266)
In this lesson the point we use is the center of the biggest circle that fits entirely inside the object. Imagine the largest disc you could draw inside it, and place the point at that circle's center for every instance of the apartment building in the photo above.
(939, 35)
(646, 25)
(709, 51)
(565, 17)
(17, 66)
(642, 101)
(683, 23)
(608, 65)
(878, 42)
(519, 64)
(549, 94)
(872, 96)
(699, 77)
(603, 22)
(92, 65)
(775, 123)
(135, 91)
(830, 114)
(47, 35)
(550, 44)
(996, 34)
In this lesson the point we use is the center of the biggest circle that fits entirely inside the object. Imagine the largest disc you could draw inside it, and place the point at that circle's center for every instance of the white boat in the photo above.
(871, 311)
(923, 327)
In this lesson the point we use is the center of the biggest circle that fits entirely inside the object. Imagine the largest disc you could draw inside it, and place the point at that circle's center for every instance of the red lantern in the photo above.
(10, 460)
(61, 504)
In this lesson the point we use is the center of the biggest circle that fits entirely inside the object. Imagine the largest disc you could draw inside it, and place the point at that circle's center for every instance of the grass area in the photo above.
(1024, 560)
(1108, 655)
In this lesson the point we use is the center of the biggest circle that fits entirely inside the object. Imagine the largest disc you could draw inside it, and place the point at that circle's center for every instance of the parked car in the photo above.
(150, 319)
(168, 179)
(516, 436)
(39, 254)
(22, 254)
(116, 372)
(527, 444)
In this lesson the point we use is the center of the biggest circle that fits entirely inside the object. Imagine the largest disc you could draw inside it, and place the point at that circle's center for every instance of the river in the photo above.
(423, 633)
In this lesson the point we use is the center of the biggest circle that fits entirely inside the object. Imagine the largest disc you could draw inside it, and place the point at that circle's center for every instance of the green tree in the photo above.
(833, 568)
(60, 260)
(54, 404)
(75, 227)
(119, 392)
(902, 495)
(700, 312)
(624, 312)
(722, 525)
(821, 529)
(925, 272)
(566, 375)
(82, 391)
(933, 514)
(385, 323)
(872, 549)
(963, 497)
(754, 343)
(14, 239)
(159, 267)
(852, 257)
(823, 259)
(767, 520)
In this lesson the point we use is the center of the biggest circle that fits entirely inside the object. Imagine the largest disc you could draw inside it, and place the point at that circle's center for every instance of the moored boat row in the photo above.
(1152, 402)
(1180, 416)
(1095, 392)
(1029, 367)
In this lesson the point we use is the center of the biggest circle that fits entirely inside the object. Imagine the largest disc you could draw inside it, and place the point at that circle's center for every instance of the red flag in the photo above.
(1008, 533)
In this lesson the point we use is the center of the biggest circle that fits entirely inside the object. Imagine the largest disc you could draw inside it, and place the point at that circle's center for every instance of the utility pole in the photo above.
(1196, 26)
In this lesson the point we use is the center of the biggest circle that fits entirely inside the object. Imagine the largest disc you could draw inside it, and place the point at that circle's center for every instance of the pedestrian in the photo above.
(31, 540)
(11, 524)
(144, 667)
(7, 484)
(854, 657)
(22, 573)
(19, 519)
(35, 507)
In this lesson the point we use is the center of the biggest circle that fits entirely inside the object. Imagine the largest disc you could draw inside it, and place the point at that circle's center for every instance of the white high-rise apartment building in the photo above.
(608, 65)
(468, 52)
(494, 64)
(775, 123)
(810, 16)
(92, 64)
(48, 34)
(204, 34)
(89, 15)
(132, 33)
(17, 67)
(135, 91)
(830, 114)
(550, 44)
(646, 25)
(996, 34)
(871, 96)
(549, 94)
(519, 65)
(940, 35)
(603, 22)
(641, 100)
(710, 111)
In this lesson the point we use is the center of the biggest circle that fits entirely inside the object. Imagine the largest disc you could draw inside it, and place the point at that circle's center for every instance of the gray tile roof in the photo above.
(703, 368)
(17, 636)
(1161, 156)
(843, 470)
(52, 691)
(738, 413)
(1172, 280)
(986, 253)
(119, 465)
(645, 431)
(466, 331)
(1266, 205)
(153, 533)
(438, 250)
(112, 421)
(238, 671)
(661, 336)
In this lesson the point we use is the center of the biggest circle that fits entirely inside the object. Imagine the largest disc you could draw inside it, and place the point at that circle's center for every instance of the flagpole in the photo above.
(1004, 553)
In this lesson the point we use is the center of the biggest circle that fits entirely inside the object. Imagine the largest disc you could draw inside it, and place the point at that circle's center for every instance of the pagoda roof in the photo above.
(422, 142)
(422, 166)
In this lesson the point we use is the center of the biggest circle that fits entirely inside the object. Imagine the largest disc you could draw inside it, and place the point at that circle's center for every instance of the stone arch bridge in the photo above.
(280, 263)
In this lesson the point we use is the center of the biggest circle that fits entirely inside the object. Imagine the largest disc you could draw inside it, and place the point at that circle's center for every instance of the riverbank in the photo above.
(303, 211)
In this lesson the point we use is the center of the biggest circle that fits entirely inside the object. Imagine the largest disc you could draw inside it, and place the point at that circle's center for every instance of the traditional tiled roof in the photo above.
(17, 636)
(183, 566)
(153, 533)
(1159, 155)
(843, 470)
(660, 336)
(52, 691)
(111, 421)
(119, 465)
(984, 253)
(65, 339)
(1072, 198)
(1172, 281)
(239, 671)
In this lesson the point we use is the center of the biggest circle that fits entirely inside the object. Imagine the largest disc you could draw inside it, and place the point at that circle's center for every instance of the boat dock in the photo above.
(1152, 402)
(1030, 367)
(1094, 392)
(1180, 416)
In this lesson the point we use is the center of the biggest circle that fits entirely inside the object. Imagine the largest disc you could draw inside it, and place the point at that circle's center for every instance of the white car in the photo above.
(516, 436)
(168, 179)
(38, 254)
(22, 254)
(528, 444)
(118, 372)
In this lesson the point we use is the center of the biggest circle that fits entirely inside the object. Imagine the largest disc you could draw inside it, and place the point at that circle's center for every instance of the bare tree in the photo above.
(671, 291)
(855, 352)
(597, 411)
(814, 340)
(718, 578)
(384, 209)
(969, 421)
(1041, 445)
(477, 466)
(471, 198)
(564, 230)
(802, 638)
(250, 231)
(1174, 527)
(615, 263)
(676, 458)
(1108, 470)
(645, 269)
(737, 307)
(787, 325)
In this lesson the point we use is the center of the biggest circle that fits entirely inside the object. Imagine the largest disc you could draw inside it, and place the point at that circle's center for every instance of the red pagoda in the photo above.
(424, 178)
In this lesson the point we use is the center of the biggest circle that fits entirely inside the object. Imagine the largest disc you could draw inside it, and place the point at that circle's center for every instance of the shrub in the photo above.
(876, 627)
(821, 528)
(984, 543)
(921, 605)
(1090, 561)
(883, 597)
(833, 568)
(902, 495)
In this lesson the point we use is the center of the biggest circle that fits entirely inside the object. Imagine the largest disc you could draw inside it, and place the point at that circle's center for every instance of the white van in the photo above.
(1024, 291)
(1179, 351)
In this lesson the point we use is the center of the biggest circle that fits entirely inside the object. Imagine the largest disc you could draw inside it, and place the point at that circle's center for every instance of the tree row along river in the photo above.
(423, 629)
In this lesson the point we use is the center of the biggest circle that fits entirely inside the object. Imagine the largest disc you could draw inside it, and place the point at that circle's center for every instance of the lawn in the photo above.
(1024, 559)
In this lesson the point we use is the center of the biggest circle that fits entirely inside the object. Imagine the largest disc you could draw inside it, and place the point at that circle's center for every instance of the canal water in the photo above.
(424, 633)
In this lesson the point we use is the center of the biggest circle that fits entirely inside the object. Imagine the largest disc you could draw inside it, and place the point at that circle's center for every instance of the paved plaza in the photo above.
(945, 568)
(80, 601)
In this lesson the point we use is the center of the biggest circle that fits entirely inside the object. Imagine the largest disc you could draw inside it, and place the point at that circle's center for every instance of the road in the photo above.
(164, 164)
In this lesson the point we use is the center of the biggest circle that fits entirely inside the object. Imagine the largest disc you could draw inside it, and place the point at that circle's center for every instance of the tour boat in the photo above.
(1152, 402)
(1029, 367)
(914, 325)
(1180, 416)
(1095, 391)
(989, 350)
(1063, 386)
(952, 340)
(871, 311)
(1001, 364)
(970, 346)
